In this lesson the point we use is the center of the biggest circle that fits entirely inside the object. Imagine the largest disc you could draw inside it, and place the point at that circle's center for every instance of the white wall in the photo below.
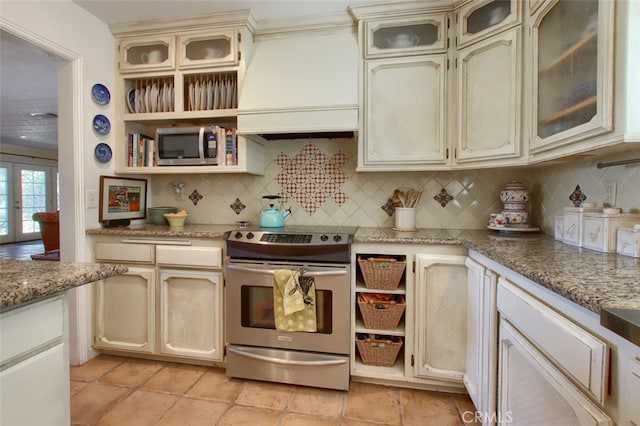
(67, 30)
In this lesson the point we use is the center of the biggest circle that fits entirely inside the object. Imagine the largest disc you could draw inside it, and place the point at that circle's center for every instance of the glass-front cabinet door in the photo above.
(215, 49)
(147, 54)
(409, 35)
(572, 75)
(480, 19)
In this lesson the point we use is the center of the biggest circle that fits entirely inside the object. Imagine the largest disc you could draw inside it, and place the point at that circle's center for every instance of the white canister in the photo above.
(405, 218)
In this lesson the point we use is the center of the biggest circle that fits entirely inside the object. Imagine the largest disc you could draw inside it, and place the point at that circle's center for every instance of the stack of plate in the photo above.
(151, 97)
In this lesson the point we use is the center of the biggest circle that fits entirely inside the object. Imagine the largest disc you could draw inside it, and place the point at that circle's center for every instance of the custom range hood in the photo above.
(301, 83)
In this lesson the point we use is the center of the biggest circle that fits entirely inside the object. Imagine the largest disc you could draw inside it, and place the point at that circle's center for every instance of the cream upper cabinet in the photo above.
(151, 53)
(482, 18)
(212, 48)
(428, 103)
(406, 36)
(405, 112)
(187, 72)
(403, 95)
(490, 98)
(572, 61)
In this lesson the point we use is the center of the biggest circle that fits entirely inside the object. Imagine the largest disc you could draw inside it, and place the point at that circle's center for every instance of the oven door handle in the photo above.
(274, 360)
(272, 271)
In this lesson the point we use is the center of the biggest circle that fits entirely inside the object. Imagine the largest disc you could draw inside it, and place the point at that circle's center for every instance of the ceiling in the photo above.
(28, 75)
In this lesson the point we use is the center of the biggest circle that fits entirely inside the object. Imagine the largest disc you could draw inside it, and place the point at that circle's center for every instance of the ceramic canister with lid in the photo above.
(514, 198)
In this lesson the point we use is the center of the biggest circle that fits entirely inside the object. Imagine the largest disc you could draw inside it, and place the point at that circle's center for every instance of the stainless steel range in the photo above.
(256, 348)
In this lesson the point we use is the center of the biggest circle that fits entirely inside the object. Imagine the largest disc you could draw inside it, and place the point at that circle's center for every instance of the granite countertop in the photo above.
(160, 231)
(589, 278)
(605, 283)
(26, 281)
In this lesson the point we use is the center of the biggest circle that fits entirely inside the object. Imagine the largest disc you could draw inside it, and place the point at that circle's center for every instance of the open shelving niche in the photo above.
(397, 371)
(183, 110)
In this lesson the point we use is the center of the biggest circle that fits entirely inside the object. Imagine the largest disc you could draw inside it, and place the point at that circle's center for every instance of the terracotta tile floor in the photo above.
(110, 390)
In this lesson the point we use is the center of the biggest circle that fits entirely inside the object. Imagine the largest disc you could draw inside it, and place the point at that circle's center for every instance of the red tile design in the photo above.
(311, 177)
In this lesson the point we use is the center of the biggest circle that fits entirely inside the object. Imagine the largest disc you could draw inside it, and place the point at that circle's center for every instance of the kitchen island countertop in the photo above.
(27, 281)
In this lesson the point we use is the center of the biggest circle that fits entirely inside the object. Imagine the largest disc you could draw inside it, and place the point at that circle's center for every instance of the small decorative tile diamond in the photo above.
(577, 196)
(389, 207)
(195, 196)
(311, 178)
(237, 206)
(443, 197)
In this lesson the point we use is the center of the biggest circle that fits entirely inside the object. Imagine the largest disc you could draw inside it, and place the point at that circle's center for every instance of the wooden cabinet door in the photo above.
(441, 317)
(480, 377)
(405, 112)
(489, 98)
(153, 53)
(191, 313)
(125, 311)
(533, 392)
(572, 58)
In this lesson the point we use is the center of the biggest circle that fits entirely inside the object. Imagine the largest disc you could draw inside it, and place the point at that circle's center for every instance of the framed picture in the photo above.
(122, 198)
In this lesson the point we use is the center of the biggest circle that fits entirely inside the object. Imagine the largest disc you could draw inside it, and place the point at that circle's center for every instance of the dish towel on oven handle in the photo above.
(294, 299)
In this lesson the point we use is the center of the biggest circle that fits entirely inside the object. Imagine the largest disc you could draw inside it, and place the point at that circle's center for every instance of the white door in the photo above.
(191, 313)
(489, 98)
(533, 391)
(405, 111)
(480, 377)
(25, 189)
(125, 311)
(441, 316)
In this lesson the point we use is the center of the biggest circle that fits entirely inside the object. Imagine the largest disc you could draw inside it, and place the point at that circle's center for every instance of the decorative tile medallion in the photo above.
(237, 206)
(443, 197)
(577, 196)
(311, 178)
(195, 196)
(389, 207)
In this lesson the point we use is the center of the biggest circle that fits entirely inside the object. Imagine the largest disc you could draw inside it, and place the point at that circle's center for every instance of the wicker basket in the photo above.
(379, 350)
(381, 315)
(381, 273)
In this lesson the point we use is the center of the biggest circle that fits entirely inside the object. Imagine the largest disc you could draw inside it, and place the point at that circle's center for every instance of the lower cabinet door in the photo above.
(36, 390)
(441, 317)
(125, 311)
(191, 313)
(533, 392)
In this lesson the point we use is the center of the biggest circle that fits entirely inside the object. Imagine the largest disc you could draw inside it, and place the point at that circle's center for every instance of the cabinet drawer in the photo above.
(31, 326)
(129, 253)
(207, 257)
(582, 356)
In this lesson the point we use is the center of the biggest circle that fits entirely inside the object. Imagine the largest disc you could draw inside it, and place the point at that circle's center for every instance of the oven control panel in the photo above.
(277, 238)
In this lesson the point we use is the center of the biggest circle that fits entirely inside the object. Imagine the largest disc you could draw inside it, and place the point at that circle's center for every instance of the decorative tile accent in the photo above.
(389, 207)
(195, 196)
(577, 196)
(443, 197)
(237, 206)
(311, 178)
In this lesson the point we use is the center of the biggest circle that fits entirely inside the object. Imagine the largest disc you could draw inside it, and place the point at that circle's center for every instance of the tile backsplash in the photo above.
(331, 192)
(556, 182)
(337, 195)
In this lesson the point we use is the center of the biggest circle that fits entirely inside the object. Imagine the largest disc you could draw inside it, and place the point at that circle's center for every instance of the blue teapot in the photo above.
(271, 216)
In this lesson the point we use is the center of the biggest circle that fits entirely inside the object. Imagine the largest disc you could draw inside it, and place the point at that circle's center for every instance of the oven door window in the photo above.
(257, 308)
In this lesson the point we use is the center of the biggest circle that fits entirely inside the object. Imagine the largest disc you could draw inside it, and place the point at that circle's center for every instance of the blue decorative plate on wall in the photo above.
(101, 124)
(100, 94)
(103, 152)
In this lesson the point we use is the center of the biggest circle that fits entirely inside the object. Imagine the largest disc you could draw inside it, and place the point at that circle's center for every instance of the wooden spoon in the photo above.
(396, 198)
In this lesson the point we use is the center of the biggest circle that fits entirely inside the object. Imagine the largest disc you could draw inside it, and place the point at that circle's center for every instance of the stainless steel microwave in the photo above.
(187, 146)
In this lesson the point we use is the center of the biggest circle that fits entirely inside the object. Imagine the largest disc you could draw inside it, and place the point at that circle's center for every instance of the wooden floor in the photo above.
(22, 250)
